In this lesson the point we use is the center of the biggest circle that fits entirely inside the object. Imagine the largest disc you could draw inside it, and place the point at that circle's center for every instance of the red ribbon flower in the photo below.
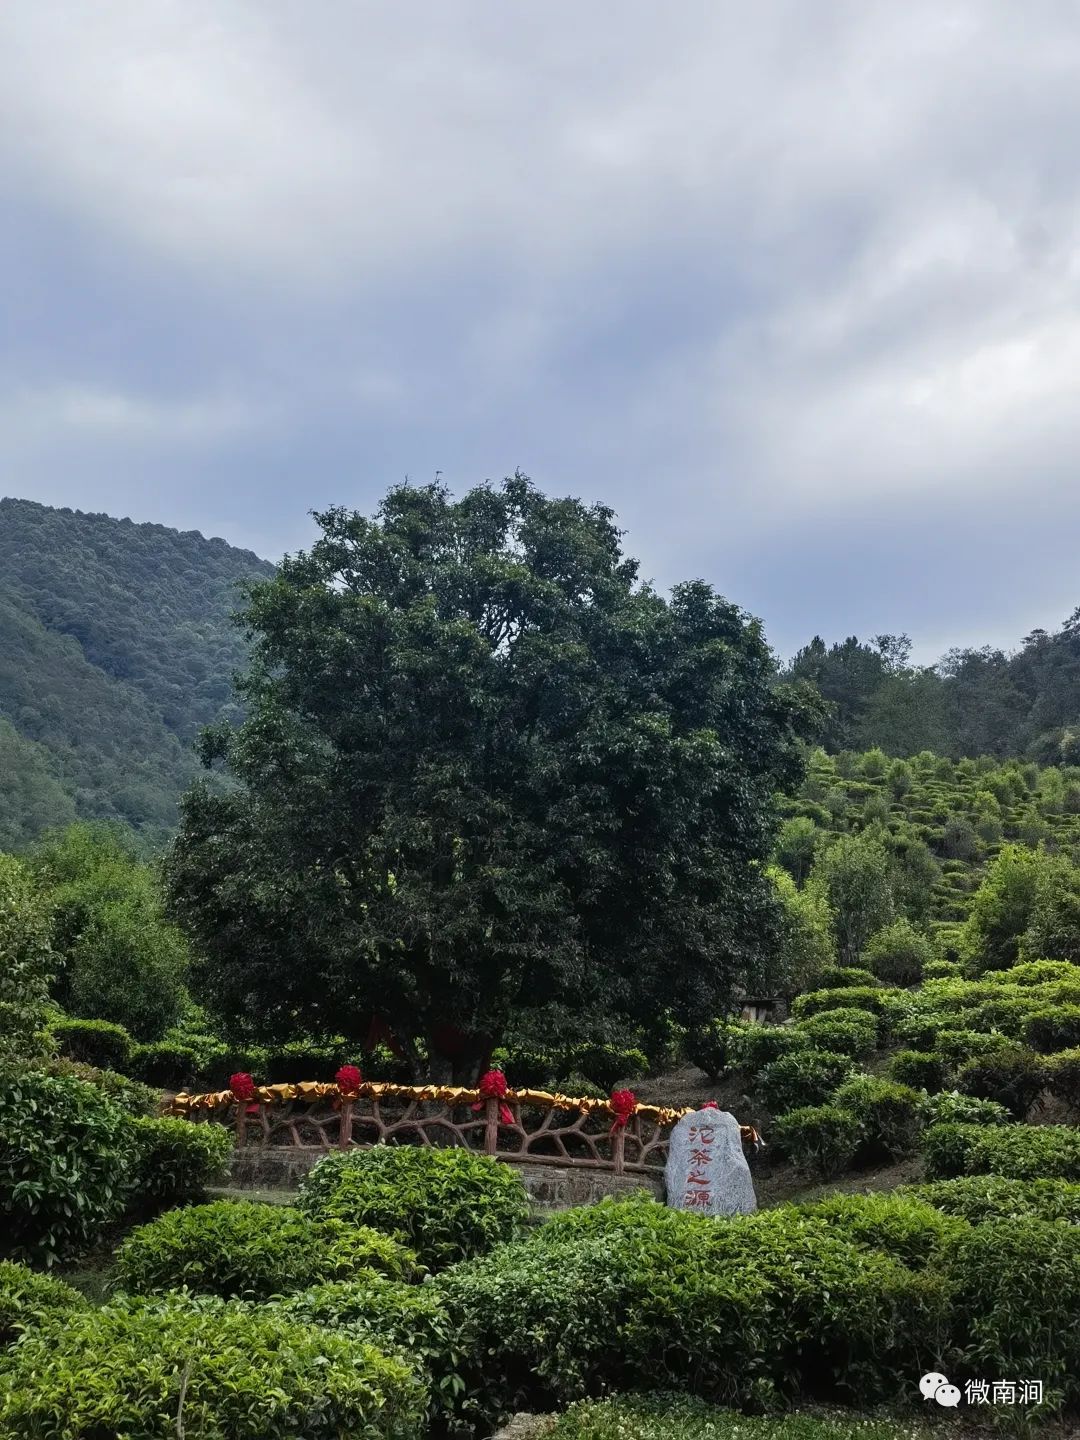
(710, 1105)
(243, 1088)
(348, 1079)
(493, 1087)
(623, 1102)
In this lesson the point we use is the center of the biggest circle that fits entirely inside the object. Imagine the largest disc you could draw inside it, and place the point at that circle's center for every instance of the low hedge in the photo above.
(902, 1225)
(807, 1077)
(623, 1295)
(846, 1032)
(888, 1116)
(1012, 1076)
(861, 997)
(762, 1044)
(448, 1204)
(949, 1107)
(154, 1371)
(251, 1251)
(67, 1162)
(921, 1069)
(680, 1417)
(978, 1198)
(27, 1299)
(132, 1096)
(165, 1064)
(94, 1042)
(1055, 1028)
(820, 1140)
(178, 1160)
(1022, 1152)
(843, 977)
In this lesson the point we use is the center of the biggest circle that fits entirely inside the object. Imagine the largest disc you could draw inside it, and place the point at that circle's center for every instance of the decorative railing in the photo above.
(522, 1127)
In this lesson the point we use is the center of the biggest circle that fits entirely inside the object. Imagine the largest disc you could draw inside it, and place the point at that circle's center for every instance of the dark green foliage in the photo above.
(679, 1417)
(167, 1064)
(995, 1197)
(888, 1115)
(566, 793)
(121, 960)
(126, 630)
(67, 1158)
(762, 1044)
(847, 1032)
(178, 1160)
(839, 977)
(919, 1069)
(860, 997)
(902, 1225)
(951, 1108)
(26, 963)
(807, 1077)
(545, 1045)
(1015, 1291)
(946, 1148)
(447, 1204)
(1012, 1076)
(718, 1046)
(159, 1371)
(621, 1296)
(252, 1251)
(95, 1042)
(1063, 1076)
(960, 1046)
(131, 1095)
(1053, 1029)
(899, 954)
(818, 1139)
(1021, 1152)
(27, 1299)
(856, 874)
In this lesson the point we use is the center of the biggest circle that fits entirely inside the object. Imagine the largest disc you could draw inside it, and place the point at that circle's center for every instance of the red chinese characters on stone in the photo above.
(702, 1138)
(697, 1199)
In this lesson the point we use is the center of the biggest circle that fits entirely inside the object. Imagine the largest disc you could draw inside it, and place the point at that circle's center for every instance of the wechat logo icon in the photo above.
(937, 1387)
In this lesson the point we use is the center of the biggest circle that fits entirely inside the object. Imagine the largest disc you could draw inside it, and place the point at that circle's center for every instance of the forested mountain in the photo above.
(972, 702)
(116, 646)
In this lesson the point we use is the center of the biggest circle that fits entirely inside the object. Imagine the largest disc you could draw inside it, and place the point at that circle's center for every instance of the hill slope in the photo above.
(116, 647)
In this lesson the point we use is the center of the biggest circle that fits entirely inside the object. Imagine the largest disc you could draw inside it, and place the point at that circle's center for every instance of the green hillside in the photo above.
(115, 648)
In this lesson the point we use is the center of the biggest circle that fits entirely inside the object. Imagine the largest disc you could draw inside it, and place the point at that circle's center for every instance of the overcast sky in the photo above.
(794, 287)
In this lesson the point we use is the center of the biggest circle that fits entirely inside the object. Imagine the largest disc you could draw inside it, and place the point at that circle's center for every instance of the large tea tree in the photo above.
(484, 768)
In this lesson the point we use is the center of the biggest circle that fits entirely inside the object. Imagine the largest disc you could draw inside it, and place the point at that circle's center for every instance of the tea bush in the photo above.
(861, 997)
(250, 1251)
(762, 1044)
(1015, 1293)
(949, 1107)
(716, 1047)
(959, 1046)
(807, 1077)
(846, 1032)
(132, 1096)
(899, 954)
(178, 1159)
(153, 1370)
(1022, 1152)
(94, 1042)
(818, 1139)
(1014, 1077)
(902, 1225)
(977, 1198)
(1063, 1076)
(448, 1204)
(67, 1161)
(166, 1064)
(680, 1417)
(920, 1069)
(842, 977)
(617, 1295)
(27, 1298)
(1053, 1029)
(888, 1115)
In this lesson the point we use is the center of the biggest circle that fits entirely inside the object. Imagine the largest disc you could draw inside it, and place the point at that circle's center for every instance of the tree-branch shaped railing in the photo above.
(532, 1127)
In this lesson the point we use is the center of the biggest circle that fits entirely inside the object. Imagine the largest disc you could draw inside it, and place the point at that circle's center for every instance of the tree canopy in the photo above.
(484, 769)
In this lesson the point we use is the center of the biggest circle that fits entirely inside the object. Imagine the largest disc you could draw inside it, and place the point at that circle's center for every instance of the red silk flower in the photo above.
(243, 1088)
(623, 1102)
(348, 1079)
(492, 1086)
(710, 1105)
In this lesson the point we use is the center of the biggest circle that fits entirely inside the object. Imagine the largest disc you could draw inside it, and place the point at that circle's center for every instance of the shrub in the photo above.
(95, 1042)
(920, 1069)
(959, 1046)
(1012, 1076)
(1041, 972)
(808, 1077)
(847, 1032)
(904, 1226)
(1014, 1287)
(946, 1148)
(1053, 1029)
(680, 1417)
(179, 1159)
(167, 1064)
(244, 1249)
(949, 1107)
(844, 977)
(27, 964)
(861, 997)
(763, 1044)
(448, 1204)
(899, 954)
(1025, 1152)
(617, 1295)
(818, 1139)
(1063, 1076)
(66, 1164)
(942, 969)
(977, 1198)
(405, 1320)
(716, 1047)
(132, 1096)
(888, 1115)
(27, 1298)
(142, 1370)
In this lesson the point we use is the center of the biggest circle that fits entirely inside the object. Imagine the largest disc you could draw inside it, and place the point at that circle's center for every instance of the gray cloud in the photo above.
(796, 288)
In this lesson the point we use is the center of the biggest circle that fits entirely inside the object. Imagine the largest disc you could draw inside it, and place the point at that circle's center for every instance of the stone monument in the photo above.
(706, 1169)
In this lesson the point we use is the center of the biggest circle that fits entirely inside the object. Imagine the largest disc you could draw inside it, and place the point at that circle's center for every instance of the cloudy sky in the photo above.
(795, 287)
